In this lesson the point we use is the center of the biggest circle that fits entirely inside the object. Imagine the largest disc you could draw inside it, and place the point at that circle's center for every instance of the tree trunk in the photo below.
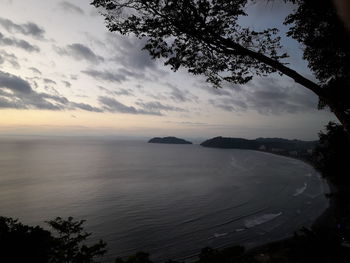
(231, 47)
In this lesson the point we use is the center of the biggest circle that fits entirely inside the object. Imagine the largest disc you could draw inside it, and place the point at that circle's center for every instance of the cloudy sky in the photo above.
(63, 73)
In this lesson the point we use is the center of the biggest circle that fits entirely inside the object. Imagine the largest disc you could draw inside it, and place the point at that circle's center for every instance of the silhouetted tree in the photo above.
(22, 243)
(332, 154)
(204, 36)
(316, 25)
(69, 246)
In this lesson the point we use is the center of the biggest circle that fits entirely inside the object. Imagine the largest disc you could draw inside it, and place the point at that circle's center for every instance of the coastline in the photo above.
(338, 195)
(278, 249)
(264, 252)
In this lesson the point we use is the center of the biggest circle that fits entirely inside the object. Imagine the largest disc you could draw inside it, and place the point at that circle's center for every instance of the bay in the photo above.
(168, 200)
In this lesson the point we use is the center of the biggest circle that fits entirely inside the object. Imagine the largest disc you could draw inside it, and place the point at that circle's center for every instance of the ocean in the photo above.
(167, 200)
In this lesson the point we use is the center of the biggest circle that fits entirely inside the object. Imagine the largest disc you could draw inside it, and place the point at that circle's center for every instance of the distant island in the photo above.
(169, 140)
(293, 148)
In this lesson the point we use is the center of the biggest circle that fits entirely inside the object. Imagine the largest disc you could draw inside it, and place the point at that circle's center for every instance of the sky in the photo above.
(63, 73)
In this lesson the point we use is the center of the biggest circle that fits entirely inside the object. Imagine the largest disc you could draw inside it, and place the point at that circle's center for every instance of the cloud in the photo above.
(19, 43)
(126, 53)
(229, 104)
(118, 92)
(224, 91)
(74, 77)
(133, 74)
(105, 75)
(178, 95)
(17, 93)
(69, 7)
(189, 123)
(80, 52)
(28, 29)
(86, 107)
(67, 83)
(112, 105)
(130, 53)
(123, 92)
(49, 81)
(157, 106)
(7, 104)
(9, 58)
(14, 83)
(35, 70)
(268, 96)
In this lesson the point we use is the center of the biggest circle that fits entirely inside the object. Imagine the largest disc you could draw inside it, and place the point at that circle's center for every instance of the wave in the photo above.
(300, 190)
(261, 220)
(240, 217)
(216, 235)
(192, 220)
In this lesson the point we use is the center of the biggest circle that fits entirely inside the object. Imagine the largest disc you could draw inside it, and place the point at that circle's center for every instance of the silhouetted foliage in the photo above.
(316, 25)
(204, 36)
(22, 243)
(332, 154)
(321, 246)
(68, 236)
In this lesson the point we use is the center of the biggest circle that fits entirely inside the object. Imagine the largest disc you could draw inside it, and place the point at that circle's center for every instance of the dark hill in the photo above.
(266, 144)
(169, 140)
(236, 143)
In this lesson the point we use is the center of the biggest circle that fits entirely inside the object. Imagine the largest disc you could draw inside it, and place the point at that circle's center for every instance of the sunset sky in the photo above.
(63, 73)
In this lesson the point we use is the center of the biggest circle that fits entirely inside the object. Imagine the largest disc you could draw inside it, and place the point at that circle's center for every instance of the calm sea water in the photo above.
(168, 200)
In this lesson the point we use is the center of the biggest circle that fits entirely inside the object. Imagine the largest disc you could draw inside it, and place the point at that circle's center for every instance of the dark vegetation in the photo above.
(332, 154)
(292, 148)
(169, 140)
(66, 243)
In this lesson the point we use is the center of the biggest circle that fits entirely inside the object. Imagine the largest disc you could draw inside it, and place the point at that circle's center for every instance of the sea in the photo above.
(167, 200)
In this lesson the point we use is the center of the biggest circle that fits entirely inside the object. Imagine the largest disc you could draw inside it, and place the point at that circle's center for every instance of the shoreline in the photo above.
(327, 220)
(322, 219)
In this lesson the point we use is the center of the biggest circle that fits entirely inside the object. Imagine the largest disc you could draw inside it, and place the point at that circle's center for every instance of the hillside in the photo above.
(169, 140)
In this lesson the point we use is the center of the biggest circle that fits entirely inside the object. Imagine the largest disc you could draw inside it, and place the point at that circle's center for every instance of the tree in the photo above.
(22, 243)
(69, 246)
(332, 154)
(204, 36)
(315, 24)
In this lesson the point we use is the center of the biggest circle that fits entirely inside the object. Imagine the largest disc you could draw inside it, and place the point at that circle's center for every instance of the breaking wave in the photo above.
(260, 220)
(300, 190)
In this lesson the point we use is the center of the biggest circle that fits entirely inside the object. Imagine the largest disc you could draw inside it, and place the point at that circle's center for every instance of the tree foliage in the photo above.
(192, 34)
(69, 246)
(22, 243)
(205, 37)
(332, 154)
(326, 45)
